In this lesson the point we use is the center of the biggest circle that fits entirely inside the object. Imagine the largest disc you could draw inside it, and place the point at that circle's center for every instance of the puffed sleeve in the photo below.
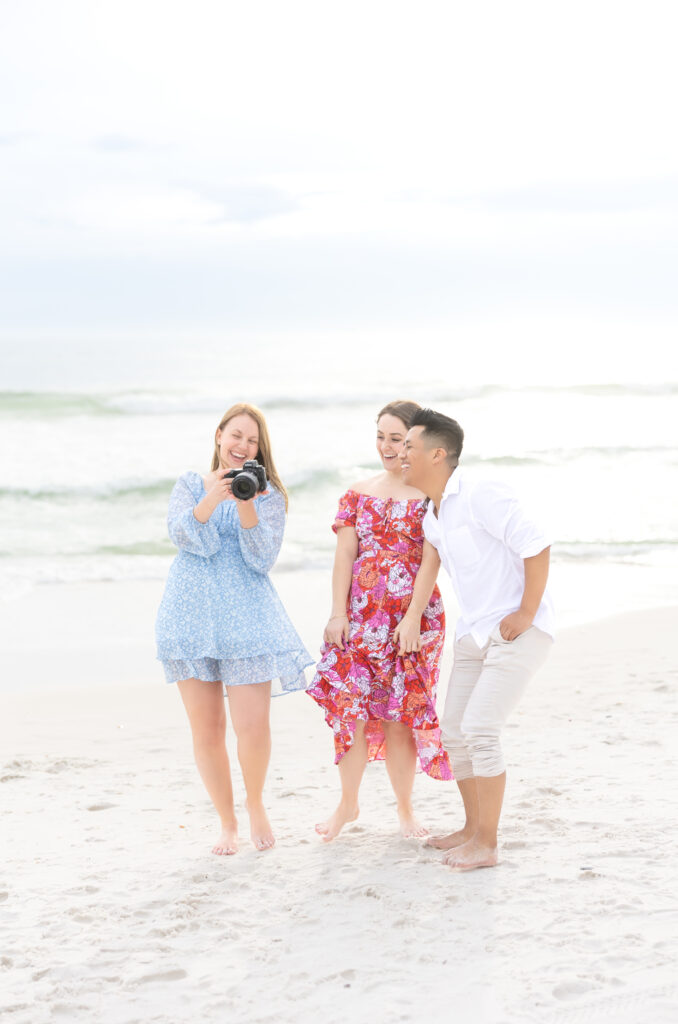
(184, 529)
(347, 511)
(260, 545)
(497, 509)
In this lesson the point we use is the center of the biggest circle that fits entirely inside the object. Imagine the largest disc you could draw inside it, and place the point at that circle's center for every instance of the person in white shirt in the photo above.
(498, 560)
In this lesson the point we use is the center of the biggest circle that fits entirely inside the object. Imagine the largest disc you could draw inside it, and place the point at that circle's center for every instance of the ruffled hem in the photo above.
(286, 671)
(345, 704)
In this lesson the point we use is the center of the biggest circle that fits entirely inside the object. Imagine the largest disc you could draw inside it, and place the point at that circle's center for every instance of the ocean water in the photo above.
(93, 438)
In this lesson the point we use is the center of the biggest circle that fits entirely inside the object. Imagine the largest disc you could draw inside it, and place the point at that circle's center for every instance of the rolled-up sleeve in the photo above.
(497, 509)
(260, 544)
(184, 529)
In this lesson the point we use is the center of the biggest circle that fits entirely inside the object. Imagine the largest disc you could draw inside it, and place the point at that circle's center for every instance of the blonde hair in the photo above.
(264, 453)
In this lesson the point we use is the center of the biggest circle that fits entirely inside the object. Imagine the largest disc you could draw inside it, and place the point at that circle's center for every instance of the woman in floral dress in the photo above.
(377, 677)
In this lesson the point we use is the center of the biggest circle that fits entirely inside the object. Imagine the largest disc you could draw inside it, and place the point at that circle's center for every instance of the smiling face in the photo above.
(415, 459)
(390, 437)
(237, 441)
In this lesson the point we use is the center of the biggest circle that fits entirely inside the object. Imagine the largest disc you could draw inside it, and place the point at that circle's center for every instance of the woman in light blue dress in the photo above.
(221, 627)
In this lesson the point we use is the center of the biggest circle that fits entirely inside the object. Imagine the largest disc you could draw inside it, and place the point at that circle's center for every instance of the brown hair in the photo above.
(264, 453)
(403, 410)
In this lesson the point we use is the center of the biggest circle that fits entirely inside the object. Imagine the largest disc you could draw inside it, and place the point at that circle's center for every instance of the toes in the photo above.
(222, 850)
(413, 830)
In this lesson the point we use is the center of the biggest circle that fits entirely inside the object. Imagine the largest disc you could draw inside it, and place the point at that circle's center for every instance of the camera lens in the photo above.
(244, 486)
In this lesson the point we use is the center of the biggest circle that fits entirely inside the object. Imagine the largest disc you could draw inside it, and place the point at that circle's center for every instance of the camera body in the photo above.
(248, 481)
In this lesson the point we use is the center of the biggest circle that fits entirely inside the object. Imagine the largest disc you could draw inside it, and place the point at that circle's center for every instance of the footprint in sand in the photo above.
(571, 989)
(147, 979)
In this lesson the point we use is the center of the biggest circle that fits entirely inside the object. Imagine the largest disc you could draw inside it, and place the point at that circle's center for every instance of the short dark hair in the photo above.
(442, 431)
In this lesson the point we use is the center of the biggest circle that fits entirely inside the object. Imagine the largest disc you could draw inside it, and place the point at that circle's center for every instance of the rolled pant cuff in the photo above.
(489, 770)
(461, 770)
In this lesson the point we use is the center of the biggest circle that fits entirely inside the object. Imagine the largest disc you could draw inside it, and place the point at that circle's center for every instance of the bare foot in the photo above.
(227, 843)
(261, 832)
(450, 841)
(330, 829)
(473, 854)
(410, 828)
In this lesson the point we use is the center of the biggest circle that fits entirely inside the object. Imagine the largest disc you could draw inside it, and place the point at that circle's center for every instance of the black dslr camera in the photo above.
(248, 481)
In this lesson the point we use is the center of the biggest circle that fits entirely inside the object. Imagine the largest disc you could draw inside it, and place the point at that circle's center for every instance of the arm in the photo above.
(337, 629)
(536, 575)
(261, 530)
(186, 531)
(497, 510)
(219, 490)
(407, 632)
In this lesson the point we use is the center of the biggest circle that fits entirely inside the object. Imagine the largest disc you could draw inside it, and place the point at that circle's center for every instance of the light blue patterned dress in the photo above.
(220, 618)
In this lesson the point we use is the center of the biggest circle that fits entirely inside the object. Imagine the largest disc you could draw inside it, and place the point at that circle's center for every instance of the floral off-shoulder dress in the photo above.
(368, 680)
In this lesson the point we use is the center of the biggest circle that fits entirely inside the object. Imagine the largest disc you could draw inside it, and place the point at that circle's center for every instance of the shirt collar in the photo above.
(452, 486)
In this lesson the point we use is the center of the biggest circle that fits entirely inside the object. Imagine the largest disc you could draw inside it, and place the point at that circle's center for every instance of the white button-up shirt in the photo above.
(482, 536)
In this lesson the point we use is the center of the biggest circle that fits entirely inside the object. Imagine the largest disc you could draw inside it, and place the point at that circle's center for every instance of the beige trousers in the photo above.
(485, 685)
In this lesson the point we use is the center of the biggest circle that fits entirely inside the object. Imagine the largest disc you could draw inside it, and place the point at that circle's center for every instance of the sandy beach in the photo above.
(114, 910)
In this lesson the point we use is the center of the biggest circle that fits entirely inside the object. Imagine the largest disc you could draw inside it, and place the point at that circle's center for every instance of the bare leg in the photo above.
(250, 707)
(480, 851)
(401, 764)
(204, 703)
(351, 768)
(469, 794)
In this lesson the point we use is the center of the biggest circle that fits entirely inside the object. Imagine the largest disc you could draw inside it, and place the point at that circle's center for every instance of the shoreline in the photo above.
(94, 633)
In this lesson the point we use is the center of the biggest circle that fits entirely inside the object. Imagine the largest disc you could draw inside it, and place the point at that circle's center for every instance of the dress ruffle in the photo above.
(285, 670)
(350, 689)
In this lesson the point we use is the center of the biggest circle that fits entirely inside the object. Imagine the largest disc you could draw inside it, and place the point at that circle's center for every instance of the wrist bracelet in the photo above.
(332, 617)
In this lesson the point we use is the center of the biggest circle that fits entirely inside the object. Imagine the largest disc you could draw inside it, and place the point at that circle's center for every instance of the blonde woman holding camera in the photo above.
(221, 627)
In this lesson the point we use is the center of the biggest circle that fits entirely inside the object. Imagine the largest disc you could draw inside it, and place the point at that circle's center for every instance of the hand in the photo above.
(514, 624)
(336, 631)
(220, 489)
(244, 501)
(407, 635)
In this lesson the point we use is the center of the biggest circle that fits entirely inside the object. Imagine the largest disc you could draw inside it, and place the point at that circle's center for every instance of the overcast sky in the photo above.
(288, 165)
